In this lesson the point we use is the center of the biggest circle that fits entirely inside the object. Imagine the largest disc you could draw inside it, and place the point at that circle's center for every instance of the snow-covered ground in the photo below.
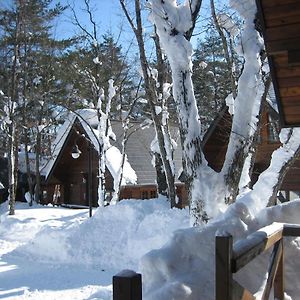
(59, 253)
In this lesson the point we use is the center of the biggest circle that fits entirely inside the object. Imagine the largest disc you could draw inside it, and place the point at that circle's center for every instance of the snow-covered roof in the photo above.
(138, 150)
(1, 186)
(138, 168)
(88, 120)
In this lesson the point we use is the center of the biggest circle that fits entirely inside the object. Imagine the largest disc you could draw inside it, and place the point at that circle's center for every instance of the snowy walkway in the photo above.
(23, 277)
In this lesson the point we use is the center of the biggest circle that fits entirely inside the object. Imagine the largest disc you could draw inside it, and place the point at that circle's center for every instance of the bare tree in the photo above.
(153, 95)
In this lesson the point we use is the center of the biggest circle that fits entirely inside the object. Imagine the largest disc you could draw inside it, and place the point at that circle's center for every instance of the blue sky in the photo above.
(110, 17)
(106, 14)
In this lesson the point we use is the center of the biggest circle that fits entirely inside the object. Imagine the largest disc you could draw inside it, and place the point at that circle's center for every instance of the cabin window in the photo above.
(44, 194)
(145, 195)
(273, 130)
(152, 194)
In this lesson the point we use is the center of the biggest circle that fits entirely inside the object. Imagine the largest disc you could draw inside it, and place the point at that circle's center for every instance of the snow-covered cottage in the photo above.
(68, 177)
(216, 139)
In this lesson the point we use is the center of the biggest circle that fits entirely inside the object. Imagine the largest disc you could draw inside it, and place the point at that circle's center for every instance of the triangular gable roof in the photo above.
(87, 120)
(216, 138)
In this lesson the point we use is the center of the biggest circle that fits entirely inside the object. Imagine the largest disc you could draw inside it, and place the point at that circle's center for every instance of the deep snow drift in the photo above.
(185, 267)
(58, 253)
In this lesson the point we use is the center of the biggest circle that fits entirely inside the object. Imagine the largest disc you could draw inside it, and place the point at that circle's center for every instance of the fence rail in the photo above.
(230, 259)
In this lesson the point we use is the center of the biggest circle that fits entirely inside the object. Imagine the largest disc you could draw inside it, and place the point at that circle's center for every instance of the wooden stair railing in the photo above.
(231, 258)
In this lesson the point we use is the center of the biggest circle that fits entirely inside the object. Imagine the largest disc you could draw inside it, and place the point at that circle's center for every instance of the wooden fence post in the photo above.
(223, 277)
(127, 285)
(279, 277)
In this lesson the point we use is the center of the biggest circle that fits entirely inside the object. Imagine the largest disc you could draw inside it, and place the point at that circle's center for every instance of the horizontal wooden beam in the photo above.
(290, 92)
(291, 230)
(272, 3)
(256, 243)
(281, 46)
(289, 82)
(281, 21)
(281, 10)
(284, 32)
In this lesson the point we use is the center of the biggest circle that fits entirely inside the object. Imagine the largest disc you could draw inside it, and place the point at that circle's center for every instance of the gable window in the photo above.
(273, 130)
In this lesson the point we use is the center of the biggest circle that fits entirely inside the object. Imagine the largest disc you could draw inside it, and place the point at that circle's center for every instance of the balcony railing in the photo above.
(230, 259)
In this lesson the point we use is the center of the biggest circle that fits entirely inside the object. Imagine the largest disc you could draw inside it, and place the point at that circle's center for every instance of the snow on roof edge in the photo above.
(58, 143)
(62, 134)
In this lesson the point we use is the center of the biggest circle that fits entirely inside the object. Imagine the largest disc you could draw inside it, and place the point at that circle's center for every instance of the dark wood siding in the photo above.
(280, 21)
(216, 146)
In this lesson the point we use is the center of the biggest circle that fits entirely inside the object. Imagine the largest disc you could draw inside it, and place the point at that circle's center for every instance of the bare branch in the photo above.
(88, 10)
(77, 23)
(195, 6)
(128, 16)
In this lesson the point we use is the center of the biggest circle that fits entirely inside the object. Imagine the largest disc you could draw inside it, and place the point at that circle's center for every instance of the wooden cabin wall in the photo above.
(280, 22)
(216, 141)
(150, 191)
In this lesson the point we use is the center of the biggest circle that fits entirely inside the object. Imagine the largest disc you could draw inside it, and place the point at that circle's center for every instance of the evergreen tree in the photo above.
(211, 77)
(91, 66)
(28, 66)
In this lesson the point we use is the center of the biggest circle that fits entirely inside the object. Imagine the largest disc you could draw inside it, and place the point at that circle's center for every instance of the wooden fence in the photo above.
(230, 259)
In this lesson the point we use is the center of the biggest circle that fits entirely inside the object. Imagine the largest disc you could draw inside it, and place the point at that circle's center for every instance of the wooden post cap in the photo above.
(127, 285)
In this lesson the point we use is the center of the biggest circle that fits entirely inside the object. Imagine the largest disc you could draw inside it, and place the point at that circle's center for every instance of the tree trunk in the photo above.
(152, 96)
(11, 169)
(101, 152)
(271, 179)
(226, 48)
(37, 193)
(162, 186)
(28, 170)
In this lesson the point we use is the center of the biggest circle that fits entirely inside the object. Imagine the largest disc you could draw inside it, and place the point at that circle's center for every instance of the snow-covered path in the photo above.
(23, 277)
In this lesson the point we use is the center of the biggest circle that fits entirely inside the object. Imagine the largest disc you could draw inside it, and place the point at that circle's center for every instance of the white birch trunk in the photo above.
(171, 29)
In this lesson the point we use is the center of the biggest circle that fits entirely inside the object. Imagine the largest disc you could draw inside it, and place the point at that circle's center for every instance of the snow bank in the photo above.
(119, 236)
(184, 268)
(115, 238)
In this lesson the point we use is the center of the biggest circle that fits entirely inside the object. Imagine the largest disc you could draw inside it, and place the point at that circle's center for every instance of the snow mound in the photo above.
(185, 267)
(116, 237)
